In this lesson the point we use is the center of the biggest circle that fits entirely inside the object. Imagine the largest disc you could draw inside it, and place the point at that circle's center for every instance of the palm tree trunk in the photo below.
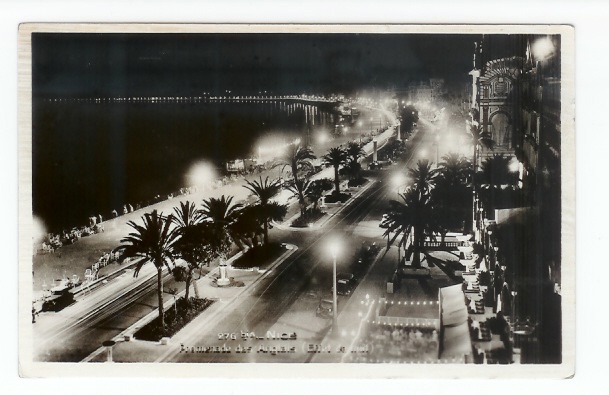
(188, 281)
(336, 180)
(195, 285)
(159, 278)
(416, 259)
(266, 232)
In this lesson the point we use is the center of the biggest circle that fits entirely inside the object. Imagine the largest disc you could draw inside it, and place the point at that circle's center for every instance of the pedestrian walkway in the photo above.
(74, 259)
(129, 349)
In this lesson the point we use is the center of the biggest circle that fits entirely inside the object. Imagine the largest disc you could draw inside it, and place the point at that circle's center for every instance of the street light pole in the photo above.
(334, 298)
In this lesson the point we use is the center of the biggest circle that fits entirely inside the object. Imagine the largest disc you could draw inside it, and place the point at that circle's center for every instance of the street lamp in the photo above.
(334, 248)
(398, 180)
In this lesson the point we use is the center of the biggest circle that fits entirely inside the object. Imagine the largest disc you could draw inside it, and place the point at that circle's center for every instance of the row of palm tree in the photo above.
(300, 162)
(198, 236)
(433, 204)
(439, 199)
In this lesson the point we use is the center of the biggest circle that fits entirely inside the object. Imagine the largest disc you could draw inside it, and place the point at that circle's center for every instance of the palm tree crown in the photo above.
(186, 215)
(220, 211)
(336, 157)
(266, 209)
(423, 176)
(297, 158)
(410, 218)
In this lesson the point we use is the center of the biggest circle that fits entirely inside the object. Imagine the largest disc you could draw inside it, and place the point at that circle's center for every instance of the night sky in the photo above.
(190, 64)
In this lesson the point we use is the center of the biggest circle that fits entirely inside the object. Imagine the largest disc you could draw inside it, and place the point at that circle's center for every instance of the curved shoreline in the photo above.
(75, 258)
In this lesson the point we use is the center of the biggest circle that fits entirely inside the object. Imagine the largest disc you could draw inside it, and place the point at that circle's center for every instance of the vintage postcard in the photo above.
(296, 200)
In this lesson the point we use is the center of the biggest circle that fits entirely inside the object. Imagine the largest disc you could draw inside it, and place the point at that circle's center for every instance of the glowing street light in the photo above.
(542, 48)
(398, 180)
(200, 174)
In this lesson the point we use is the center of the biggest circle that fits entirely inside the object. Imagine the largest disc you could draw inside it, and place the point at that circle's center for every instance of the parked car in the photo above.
(345, 283)
(324, 309)
(375, 165)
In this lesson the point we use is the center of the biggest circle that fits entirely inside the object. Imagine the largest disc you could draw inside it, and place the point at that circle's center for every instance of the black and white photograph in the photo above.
(394, 198)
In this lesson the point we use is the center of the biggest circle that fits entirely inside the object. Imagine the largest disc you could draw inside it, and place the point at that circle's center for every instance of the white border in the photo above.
(278, 370)
(590, 22)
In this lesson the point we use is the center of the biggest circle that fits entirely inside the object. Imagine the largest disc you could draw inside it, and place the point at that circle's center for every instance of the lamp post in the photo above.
(437, 144)
(334, 249)
(514, 293)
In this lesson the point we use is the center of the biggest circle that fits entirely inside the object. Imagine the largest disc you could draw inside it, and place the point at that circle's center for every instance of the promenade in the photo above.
(74, 259)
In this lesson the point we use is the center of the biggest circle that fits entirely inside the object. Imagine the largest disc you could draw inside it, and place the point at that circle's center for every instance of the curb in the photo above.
(153, 314)
(232, 300)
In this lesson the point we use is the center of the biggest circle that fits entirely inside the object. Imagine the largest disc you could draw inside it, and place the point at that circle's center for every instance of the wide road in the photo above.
(286, 301)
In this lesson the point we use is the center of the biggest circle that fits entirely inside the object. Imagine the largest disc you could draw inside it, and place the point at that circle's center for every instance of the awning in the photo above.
(456, 341)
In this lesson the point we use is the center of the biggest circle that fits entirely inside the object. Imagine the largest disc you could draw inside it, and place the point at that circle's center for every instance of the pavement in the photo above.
(73, 259)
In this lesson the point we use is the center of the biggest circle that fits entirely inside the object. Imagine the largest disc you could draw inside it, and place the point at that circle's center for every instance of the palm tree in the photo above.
(199, 245)
(299, 190)
(185, 217)
(221, 212)
(153, 241)
(411, 217)
(423, 176)
(267, 210)
(354, 152)
(336, 157)
(496, 171)
(298, 159)
(454, 169)
(248, 228)
(451, 193)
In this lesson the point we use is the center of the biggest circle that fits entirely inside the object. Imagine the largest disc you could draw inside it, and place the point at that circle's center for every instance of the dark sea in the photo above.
(90, 158)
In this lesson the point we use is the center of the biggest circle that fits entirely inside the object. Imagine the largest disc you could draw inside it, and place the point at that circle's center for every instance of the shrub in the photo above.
(174, 320)
(333, 197)
(311, 215)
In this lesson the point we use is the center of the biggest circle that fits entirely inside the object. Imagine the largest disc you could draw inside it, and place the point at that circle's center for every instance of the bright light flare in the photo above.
(200, 174)
(398, 179)
(334, 247)
(542, 48)
(423, 153)
(514, 165)
(39, 230)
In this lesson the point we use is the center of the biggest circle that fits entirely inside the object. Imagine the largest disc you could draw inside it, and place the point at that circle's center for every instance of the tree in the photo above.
(423, 176)
(153, 242)
(496, 171)
(354, 153)
(248, 227)
(316, 190)
(336, 157)
(199, 245)
(266, 209)
(185, 217)
(410, 218)
(299, 188)
(221, 212)
(298, 159)
(451, 194)
(455, 169)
